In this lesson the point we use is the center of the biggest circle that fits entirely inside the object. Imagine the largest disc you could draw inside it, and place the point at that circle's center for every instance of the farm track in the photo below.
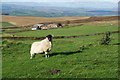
(57, 37)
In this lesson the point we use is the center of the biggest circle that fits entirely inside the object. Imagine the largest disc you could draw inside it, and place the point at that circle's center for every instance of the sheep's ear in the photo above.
(46, 36)
(52, 35)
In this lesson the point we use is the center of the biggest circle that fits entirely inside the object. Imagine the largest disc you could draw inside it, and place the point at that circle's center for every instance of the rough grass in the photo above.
(94, 61)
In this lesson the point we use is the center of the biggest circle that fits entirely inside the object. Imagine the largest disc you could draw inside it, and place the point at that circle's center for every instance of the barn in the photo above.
(37, 26)
(43, 26)
(54, 25)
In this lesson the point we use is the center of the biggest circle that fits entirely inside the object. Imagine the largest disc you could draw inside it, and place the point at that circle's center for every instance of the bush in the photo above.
(106, 39)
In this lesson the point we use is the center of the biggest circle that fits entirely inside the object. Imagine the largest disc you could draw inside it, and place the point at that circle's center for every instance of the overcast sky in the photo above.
(114, 1)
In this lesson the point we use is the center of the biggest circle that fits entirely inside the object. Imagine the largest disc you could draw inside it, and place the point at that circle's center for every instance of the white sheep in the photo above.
(43, 46)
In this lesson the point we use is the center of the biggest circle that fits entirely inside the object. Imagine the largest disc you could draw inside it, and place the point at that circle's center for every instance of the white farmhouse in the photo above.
(37, 26)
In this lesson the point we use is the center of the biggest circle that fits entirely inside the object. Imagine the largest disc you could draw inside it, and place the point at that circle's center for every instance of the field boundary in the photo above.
(57, 37)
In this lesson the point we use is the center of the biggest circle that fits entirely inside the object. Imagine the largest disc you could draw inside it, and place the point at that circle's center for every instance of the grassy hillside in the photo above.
(67, 55)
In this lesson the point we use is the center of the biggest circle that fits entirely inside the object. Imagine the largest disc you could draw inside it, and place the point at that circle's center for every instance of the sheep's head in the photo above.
(49, 37)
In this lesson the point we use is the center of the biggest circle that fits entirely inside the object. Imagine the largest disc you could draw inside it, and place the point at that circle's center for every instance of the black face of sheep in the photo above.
(49, 37)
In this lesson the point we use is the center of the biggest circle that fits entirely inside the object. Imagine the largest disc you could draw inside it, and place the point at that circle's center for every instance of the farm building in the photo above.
(54, 25)
(37, 26)
(42, 26)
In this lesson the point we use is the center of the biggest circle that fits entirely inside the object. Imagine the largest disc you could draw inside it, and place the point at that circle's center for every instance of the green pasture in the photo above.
(6, 24)
(70, 31)
(14, 30)
(92, 61)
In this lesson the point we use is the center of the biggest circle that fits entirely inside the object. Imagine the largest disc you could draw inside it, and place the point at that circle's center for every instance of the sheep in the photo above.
(43, 46)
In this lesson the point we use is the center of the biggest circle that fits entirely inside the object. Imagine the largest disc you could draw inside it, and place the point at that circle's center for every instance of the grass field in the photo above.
(93, 61)
(74, 30)
(6, 24)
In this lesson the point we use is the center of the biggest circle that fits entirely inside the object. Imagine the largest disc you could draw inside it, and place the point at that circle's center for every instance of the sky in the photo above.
(113, 1)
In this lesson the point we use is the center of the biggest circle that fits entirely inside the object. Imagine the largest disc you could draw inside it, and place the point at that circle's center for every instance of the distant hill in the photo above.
(52, 11)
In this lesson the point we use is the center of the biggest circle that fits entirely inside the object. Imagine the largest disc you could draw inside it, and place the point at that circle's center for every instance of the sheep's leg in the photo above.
(46, 55)
(31, 56)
